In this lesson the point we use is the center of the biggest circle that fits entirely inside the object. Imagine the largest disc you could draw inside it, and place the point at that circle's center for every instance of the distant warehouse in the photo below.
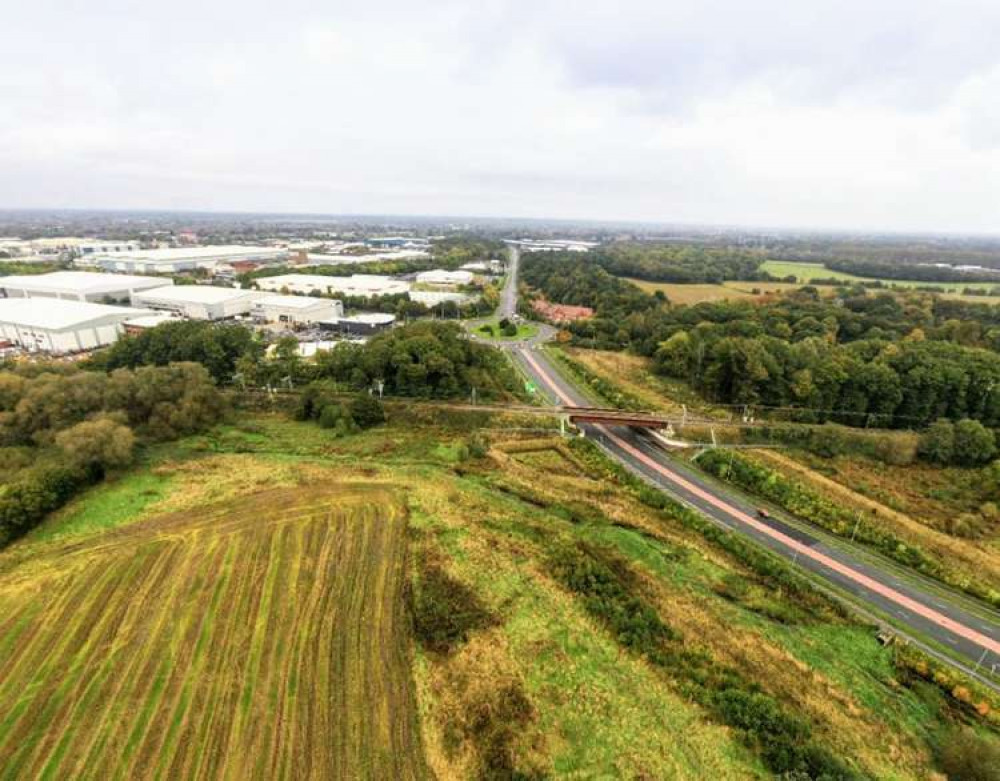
(361, 285)
(296, 309)
(441, 277)
(173, 260)
(60, 326)
(362, 324)
(199, 302)
(78, 286)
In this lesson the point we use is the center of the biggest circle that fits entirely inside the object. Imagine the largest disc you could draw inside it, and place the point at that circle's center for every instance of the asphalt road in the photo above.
(971, 631)
(508, 296)
(507, 309)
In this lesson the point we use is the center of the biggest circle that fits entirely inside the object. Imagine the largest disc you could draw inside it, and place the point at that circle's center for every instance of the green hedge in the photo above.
(806, 503)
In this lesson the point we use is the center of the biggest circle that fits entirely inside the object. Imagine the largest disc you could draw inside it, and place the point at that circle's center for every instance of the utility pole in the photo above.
(857, 523)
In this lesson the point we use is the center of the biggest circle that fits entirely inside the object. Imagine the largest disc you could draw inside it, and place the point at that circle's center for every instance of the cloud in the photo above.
(844, 114)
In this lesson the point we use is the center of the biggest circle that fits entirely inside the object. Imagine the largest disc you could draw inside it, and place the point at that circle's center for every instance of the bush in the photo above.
(974, 443)
(445, 610)
(968, 756)
(937, 443)
(367, 411)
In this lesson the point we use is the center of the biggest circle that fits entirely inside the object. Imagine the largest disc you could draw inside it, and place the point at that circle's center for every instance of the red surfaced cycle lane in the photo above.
(845, 571)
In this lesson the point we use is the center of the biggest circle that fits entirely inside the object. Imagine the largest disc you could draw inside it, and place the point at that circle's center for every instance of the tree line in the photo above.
(859, 359)
(680, 262)
(62, 428)
(426, 358)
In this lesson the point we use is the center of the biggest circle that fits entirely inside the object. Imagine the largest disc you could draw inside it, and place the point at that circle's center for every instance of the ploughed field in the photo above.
(258, 637)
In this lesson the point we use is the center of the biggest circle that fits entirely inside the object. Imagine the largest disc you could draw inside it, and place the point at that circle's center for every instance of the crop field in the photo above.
(261, 636)
(807, 272)
(679, 293)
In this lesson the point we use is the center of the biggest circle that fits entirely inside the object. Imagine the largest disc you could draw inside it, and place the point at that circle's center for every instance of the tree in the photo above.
(937, 443)
(367, 411)
(104, 443)
(967, 756)
(974, 443)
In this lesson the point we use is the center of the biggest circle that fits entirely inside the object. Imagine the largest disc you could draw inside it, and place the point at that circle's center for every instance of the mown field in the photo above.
(256, 637)
(268, 600)
(678, 293)
(807, 272)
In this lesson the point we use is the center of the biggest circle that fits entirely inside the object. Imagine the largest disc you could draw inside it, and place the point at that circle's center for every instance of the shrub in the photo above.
(367, 411)
(968, 756)
(937, 443)
(445, 610)
(974, 443)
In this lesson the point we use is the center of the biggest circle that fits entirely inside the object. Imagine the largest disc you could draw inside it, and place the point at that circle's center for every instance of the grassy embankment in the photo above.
(256, 553)
(914, 505)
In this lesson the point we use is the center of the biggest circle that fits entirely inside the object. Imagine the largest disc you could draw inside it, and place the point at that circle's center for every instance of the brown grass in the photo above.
(974, 557)
(255, 637)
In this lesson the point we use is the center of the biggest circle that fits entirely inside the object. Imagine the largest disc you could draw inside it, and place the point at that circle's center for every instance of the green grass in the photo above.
(807, 272)
(106, 506)
(524, 331)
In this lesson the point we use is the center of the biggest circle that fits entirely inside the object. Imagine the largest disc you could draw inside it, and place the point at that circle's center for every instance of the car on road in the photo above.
(763, 513)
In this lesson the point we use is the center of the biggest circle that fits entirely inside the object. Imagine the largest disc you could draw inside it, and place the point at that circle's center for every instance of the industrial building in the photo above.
(199, 302)
(59, 326)
(178, 259)
(78, 286)
(106, 247)
(296, 309)
(434, 298)
(363, 285)
(363, 324)
(441, 278)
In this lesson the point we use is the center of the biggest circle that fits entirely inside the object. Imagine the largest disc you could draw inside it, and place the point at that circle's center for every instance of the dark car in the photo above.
(762, 513)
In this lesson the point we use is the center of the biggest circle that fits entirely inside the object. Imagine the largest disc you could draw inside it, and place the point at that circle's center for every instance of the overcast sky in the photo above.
(850, 113)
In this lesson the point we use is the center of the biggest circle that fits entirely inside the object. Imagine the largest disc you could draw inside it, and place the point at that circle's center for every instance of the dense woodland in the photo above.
(856, 358)
(426, 358)
(679, 262)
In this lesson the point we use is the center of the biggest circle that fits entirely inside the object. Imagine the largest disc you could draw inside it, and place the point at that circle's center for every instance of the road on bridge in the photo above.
(967, 629)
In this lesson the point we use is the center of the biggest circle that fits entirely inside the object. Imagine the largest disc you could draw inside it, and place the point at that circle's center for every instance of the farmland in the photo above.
(235, 606)
(807, 272)
(682, 293)
(259, 636)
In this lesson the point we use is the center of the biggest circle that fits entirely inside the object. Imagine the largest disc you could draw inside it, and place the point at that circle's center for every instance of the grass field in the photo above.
(727, 291)
(235, 607)
(806, 272)
(257, 637)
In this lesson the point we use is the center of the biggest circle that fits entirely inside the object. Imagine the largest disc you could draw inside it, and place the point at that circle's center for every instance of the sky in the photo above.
(854, 114)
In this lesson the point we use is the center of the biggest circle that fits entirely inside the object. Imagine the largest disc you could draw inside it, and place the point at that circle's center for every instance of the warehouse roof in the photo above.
(80, 281)
(292, 302)
(56, 314)
(185, 253)
(195, 294)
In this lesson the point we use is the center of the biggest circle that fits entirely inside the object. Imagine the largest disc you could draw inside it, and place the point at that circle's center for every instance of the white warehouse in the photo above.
(78, 286)
(296, 309)
(364, 285)
(440, 277)
(199, 302)
(59, 326)
(172, 260)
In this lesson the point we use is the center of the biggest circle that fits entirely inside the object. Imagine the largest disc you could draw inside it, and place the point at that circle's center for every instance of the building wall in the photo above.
(323, 309)
(84, 337)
